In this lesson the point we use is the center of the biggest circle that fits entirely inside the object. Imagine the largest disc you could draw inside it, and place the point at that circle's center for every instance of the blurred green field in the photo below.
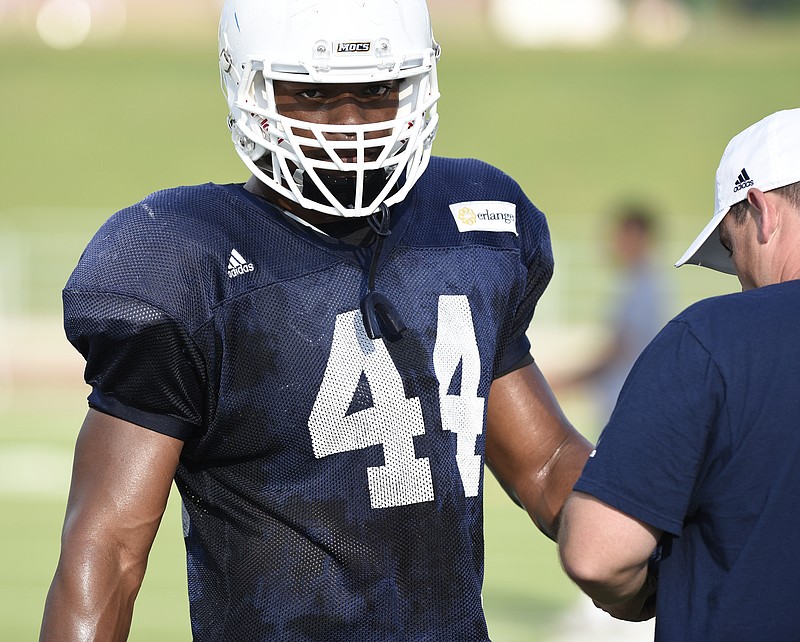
(88, 131)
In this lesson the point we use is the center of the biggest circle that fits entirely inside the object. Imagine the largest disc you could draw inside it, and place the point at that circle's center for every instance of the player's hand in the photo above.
(639, 608)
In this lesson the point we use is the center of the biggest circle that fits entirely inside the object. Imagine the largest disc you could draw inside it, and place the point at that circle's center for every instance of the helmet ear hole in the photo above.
(374, 41)
(225, 61)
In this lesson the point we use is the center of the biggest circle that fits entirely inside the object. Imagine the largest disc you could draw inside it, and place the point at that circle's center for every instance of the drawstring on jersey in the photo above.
(381, 318)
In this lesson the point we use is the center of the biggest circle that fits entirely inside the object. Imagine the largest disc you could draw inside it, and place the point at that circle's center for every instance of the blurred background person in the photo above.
(638, 309)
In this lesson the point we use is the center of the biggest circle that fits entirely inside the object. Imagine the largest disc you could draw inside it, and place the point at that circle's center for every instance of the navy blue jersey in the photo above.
(704, 444)
(331, 483)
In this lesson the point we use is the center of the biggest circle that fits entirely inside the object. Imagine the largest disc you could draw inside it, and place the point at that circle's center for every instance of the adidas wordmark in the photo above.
(238, 265)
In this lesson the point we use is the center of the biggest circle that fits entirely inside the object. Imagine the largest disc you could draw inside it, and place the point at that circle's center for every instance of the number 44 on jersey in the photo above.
(393, 420)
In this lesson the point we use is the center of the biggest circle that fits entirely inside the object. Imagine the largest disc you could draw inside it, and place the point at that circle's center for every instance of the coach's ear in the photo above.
(765, 212)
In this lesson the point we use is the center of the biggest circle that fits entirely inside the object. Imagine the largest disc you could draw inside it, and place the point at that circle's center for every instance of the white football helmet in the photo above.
(330, 41)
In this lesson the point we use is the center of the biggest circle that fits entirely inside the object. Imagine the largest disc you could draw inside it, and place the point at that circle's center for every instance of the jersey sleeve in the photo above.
(141, 364)
(653, 450)
(536, 256)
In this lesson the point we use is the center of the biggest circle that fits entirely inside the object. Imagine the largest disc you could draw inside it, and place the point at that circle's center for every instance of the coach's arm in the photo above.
(606, 553)
(531, 447)
(121, 480)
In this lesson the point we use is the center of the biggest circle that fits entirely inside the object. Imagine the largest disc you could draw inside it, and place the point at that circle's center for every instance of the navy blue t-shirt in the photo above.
(331, 483)
(705, 444)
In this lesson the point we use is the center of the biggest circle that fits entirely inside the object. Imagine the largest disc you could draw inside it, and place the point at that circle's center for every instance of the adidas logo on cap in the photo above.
(743, 181)
(238, 265)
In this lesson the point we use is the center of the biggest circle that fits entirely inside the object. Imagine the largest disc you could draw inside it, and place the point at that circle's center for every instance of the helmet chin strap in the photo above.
(381, 318)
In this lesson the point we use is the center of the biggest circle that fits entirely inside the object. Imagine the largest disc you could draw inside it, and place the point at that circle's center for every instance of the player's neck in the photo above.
(354, 231)
(313, 218)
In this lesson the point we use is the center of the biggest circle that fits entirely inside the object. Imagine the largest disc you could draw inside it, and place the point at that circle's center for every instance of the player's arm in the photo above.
(607, 554)
(121, 480)
(531, 447)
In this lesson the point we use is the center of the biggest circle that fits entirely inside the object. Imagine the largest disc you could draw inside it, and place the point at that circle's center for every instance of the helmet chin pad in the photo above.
(343, 187)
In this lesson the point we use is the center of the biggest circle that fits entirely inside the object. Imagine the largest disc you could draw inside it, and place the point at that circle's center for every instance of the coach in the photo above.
(700, 462)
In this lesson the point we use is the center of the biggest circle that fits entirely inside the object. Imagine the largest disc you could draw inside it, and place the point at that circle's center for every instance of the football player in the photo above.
(323, 358)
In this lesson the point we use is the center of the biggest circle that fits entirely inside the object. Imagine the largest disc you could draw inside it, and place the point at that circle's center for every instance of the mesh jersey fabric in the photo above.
(331, 484)
(704, 445)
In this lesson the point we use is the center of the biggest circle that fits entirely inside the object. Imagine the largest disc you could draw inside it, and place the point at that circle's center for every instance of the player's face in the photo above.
(338, 104)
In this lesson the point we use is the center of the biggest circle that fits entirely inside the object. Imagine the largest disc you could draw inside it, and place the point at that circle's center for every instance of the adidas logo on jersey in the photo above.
(238, 265)
(743, 181)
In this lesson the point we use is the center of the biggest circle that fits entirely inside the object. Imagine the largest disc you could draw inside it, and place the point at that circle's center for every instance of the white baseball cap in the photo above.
(766, 156)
